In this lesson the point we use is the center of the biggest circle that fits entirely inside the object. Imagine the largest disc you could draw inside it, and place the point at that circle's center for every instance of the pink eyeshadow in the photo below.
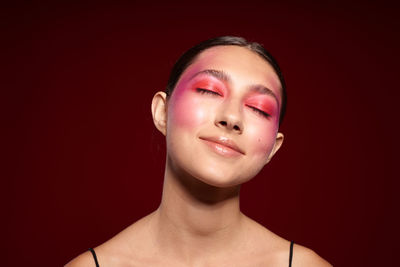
(264, 104)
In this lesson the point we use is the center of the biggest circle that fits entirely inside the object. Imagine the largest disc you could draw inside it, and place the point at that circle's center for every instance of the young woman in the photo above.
(220, 115)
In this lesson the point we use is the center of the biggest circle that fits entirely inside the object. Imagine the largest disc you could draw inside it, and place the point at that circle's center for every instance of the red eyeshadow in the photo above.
(209, 85)
(262, 103)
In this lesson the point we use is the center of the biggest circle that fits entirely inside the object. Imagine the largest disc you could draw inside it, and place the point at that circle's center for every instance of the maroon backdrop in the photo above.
(83, 159)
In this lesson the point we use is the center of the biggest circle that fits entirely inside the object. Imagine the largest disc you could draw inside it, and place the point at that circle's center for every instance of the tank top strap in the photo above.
(291, 253)
(94, 257)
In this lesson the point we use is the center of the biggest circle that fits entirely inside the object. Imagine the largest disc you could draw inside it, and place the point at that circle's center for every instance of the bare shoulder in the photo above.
(303, 256)
(276, 250)
(119, 250)
(83, 260)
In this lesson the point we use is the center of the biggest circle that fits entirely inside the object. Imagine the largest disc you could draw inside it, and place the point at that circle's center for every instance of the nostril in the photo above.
(234, 127)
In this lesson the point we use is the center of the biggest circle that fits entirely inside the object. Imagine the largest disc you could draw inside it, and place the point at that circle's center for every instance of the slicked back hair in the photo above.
(190, 55)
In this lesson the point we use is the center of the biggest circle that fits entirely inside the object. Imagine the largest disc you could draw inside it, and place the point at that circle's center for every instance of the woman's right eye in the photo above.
(206, 91)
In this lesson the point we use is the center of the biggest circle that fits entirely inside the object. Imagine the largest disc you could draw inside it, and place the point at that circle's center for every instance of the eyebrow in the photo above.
(221, 75)
(264, 90)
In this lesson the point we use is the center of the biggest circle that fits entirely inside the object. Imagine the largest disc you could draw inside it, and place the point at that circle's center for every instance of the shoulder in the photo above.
(275, 249)
(303, 256)
(85, 259)
(120, 250)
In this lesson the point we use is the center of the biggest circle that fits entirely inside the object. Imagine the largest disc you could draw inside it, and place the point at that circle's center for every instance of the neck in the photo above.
(195, 216)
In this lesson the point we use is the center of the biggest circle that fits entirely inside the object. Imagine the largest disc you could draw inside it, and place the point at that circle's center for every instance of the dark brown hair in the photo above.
(190, 55)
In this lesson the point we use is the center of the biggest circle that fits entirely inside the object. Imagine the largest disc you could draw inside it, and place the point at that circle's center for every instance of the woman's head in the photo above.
(190, 55)
(221, 120)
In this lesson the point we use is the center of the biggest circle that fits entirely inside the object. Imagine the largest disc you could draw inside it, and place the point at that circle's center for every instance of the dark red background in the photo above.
(83, 159)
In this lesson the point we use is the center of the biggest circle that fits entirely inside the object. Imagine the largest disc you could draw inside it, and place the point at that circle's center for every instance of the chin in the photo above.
(220, 179)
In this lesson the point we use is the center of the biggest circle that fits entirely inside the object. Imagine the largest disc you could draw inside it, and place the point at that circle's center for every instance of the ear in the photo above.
(277, 145)
(159, 111)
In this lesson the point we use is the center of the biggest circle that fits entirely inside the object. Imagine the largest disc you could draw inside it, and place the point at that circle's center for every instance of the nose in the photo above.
(229, 117)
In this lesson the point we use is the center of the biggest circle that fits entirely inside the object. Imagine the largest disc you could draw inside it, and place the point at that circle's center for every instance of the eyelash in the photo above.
(205, 91)
(260, 112)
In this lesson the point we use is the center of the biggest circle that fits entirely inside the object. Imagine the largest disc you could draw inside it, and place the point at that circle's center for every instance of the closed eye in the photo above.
(205, 91)
(260, 112)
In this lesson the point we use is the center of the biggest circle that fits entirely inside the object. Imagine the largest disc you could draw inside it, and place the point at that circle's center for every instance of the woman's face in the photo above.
(223, 117)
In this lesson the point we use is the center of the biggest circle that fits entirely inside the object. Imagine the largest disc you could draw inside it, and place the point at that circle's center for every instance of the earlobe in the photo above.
(159, 111)
(277, 145)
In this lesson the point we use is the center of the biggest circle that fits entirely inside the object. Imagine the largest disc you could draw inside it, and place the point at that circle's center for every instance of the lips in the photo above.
(223, 145)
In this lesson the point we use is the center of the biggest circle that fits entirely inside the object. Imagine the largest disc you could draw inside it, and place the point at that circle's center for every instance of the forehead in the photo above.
(243, 65)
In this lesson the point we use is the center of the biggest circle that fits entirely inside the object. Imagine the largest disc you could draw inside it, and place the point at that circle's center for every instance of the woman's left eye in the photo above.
(260, 112)
(206, 91)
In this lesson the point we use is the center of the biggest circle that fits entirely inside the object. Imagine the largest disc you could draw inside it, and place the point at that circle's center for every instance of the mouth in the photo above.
(223, 146)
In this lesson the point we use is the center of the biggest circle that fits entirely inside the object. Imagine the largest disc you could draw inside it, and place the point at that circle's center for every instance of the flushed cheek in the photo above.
(186, 112)
(262, 140)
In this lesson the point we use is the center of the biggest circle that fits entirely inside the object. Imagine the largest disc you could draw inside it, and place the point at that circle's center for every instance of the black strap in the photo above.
(94, 257)
(291, 253)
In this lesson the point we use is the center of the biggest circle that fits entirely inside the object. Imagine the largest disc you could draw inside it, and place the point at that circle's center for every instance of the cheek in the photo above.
(186, 111)
(262, 138)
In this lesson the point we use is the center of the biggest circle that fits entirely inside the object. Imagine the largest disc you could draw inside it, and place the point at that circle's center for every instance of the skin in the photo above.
(199, 222)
